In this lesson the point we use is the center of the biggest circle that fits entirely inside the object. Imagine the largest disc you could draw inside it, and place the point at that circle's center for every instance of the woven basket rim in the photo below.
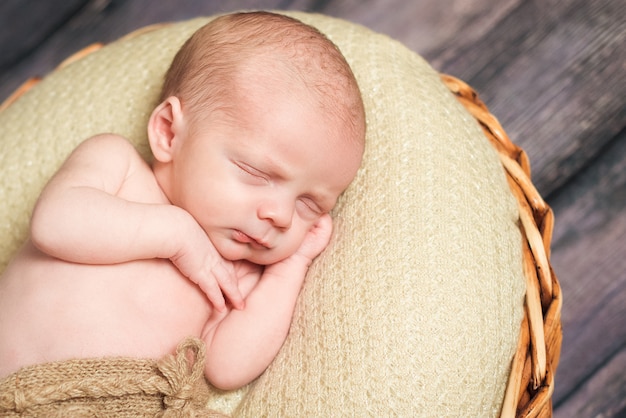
(531, 381)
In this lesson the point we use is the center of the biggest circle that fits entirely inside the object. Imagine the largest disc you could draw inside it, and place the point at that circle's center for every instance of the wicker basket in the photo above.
(531, 382)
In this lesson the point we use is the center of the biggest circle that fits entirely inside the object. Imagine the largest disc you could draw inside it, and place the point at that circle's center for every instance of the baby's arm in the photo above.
(244, 343)
(81, 218)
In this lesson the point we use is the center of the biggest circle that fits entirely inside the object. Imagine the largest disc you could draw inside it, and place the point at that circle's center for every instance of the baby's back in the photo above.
(52, 310)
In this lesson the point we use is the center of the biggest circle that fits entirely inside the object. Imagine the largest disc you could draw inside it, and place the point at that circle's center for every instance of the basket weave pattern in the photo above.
(531, 382)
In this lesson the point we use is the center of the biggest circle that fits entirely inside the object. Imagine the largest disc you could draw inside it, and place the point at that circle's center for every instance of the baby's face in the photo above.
(258, 183)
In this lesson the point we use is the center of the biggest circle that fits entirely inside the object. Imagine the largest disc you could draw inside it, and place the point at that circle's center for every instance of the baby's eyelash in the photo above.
(251, 170)
(312, 205)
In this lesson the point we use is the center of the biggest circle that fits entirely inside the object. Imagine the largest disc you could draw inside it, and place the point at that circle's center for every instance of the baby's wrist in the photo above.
(298, 260)
(181, 226)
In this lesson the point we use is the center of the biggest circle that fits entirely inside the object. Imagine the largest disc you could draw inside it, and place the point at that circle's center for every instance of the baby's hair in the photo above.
(204, 69)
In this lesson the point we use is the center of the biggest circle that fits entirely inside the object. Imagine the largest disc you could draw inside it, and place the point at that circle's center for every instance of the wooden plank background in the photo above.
(552, 71)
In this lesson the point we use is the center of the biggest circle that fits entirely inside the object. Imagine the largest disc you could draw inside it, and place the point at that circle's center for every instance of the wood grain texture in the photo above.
(588, 253)
(552, 71)
(602, 395)
(32, 28)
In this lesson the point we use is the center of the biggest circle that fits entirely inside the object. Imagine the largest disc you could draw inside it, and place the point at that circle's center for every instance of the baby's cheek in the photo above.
(290, 245)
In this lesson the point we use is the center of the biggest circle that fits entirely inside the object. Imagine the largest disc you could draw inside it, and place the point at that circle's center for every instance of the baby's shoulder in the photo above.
(111, 151)
(117, 166)
(107, 143)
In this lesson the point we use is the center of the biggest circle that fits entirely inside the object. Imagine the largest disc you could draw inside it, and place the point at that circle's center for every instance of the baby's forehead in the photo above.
(333, 93)
(339, 106)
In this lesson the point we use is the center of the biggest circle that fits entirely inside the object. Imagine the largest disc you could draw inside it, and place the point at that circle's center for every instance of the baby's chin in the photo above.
(265, 259)
(260, 257)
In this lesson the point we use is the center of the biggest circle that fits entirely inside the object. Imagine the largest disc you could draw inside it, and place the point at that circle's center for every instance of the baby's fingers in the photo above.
(317, 238)
(213, 292)
(229, 285)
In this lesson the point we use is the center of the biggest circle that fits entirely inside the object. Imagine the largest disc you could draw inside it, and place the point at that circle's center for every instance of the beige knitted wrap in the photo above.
(117, 387)
(415, 307)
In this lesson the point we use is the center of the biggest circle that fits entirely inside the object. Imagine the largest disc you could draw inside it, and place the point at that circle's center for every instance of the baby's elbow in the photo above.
(41, 235)
(51, 231)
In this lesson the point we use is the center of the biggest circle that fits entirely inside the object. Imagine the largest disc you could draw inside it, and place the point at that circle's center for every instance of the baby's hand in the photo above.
(296, 265)
(316, 239)
(199, 261)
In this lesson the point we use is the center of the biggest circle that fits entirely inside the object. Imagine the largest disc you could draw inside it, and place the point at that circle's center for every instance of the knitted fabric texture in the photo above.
(121, 387)
(415, 307)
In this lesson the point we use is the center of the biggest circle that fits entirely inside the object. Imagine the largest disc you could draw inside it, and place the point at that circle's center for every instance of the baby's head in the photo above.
(260, 128)
(233, 50)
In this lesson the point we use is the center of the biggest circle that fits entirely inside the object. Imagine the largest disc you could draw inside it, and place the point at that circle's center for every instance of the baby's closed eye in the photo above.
(252, 174)
(308, 208)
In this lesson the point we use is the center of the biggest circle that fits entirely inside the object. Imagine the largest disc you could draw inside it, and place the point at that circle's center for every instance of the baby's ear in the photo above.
(163, 127)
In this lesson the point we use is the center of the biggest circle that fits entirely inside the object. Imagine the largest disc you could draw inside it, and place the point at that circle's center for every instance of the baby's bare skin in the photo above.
(67, 306)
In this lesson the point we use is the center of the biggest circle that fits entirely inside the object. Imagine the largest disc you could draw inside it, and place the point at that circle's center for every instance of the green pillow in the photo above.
(415, 307)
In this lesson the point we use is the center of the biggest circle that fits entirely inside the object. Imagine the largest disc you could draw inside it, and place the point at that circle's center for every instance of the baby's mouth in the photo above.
(244, 238)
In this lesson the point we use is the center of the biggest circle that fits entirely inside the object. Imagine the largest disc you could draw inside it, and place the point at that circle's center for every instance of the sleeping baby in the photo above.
(259, 129)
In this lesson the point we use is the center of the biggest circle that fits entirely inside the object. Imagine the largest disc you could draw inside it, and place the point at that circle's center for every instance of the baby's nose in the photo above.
(277, 211)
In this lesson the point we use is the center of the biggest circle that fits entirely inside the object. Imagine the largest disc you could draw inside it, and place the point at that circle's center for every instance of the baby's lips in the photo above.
(244, 238)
